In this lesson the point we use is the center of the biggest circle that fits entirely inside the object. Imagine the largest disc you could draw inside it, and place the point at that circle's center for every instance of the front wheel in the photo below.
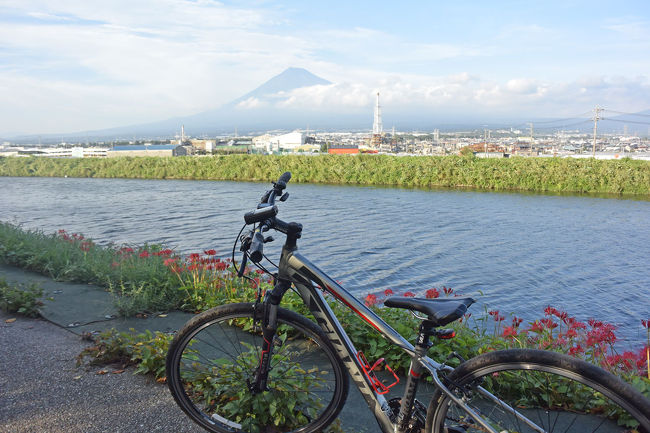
(212, 362)
(526, 390)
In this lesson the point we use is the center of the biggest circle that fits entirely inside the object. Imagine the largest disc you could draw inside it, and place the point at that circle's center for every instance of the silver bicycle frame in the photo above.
(304, 274)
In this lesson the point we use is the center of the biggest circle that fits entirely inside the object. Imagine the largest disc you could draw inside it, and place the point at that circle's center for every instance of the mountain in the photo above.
(290, 79)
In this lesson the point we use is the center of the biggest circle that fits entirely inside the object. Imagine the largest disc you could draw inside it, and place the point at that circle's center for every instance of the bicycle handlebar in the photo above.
(265, 214)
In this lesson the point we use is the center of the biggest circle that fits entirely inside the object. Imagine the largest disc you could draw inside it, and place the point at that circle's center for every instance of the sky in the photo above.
(70, 65)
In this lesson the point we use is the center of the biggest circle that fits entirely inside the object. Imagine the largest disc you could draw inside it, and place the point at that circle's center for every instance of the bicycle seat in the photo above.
(439, 311)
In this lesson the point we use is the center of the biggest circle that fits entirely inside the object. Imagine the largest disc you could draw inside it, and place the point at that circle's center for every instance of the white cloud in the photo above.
(517, 97)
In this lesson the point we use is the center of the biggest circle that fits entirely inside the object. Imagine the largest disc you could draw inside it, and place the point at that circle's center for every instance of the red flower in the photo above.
(447, 290)
(576, 350)
(170, 262)
(536, 326)
(549, 323)
(194, 257)
(388, 292)
(115, 264)
(432, 293)
(549, 311)
(493, 312)
(571, 333)
(409, 294)
(144, 254)
(209, 252)
(516, 321)
(509, 332)
(371, 300)
(645, 323)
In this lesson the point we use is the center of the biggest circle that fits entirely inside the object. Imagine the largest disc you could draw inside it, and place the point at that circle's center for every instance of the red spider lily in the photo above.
(85, 246)
(600, 335)
(595, 323)
(409, 294)
(144, 254)
(571, 333)
(259, 271)
(114, 265)
(550, 311)
(163, 253)
(493, 312)
(170, 261)
(536, 326)
(432, 293)
(549, 323)
(220, 266)
(574, 324)
(516, 321)
(577, 349)
(194, 257)
(371, 300)
(388, 292)
(645, 323)
(447, 290)
(499, 318)
(209, 252)
(509, 332)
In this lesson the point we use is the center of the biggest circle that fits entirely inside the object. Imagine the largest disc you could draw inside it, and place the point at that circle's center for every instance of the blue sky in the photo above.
(70, 66)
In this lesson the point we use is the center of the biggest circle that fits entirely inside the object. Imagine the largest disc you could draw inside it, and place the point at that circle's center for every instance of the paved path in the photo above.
(42, 390)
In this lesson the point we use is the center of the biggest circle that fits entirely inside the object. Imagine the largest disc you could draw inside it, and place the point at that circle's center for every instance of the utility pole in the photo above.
(597, 111)
(531, 138)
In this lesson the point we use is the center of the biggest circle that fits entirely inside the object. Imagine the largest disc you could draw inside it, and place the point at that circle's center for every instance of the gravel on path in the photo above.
(42, 390)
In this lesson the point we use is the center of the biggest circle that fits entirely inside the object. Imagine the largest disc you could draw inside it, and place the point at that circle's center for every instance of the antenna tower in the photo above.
(377, 128)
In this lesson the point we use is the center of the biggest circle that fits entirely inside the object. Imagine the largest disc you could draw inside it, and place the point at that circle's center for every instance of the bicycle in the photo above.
(244, 367)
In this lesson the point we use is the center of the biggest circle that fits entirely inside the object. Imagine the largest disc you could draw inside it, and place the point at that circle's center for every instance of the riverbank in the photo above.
(625, 176)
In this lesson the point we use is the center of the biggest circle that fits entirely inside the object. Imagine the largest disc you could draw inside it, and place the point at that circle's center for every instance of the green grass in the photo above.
(588, 175)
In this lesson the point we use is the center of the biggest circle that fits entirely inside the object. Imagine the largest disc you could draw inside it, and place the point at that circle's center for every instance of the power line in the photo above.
(566, 126)
(625, 121)
(629, 114)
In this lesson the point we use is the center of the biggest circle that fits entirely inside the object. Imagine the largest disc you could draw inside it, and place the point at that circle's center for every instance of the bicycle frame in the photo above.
(303, 274)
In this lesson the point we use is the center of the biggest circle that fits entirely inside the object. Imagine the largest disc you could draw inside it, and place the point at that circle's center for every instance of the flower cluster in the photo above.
(78, 239)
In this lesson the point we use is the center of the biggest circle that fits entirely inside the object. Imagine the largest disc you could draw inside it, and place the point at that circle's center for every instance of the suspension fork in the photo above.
(269, 326)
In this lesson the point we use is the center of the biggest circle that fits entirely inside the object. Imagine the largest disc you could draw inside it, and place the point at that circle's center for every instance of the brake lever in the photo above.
(246, 240)
(242, 268)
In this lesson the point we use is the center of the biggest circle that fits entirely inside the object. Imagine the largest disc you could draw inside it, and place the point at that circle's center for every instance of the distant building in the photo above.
(151, 150)
(340, 149)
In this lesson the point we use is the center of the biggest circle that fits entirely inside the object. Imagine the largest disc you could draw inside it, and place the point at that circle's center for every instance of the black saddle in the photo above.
(438, 311)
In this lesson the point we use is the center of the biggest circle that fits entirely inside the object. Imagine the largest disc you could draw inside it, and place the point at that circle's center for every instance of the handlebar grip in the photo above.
(256, 250)
(286, 177)
(260, 214)
(282, 181)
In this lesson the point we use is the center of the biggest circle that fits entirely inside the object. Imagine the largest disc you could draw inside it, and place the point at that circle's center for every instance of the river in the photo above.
(514, 252)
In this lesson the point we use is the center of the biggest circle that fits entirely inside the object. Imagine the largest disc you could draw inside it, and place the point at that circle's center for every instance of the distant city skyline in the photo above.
(68, 66)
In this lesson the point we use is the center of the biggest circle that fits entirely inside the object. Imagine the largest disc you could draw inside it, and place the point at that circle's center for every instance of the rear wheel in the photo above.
(212, 361)
(523, 390)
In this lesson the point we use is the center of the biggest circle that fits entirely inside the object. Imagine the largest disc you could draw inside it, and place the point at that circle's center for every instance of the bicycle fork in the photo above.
(269, 321)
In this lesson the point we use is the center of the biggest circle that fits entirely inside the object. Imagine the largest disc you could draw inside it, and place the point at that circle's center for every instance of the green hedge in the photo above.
(589, 175)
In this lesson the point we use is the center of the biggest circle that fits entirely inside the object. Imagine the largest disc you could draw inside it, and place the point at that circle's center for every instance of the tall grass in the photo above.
(588, 175)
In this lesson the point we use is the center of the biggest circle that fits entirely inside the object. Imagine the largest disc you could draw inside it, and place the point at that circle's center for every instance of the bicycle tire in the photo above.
(578, 396)
(213, 357)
